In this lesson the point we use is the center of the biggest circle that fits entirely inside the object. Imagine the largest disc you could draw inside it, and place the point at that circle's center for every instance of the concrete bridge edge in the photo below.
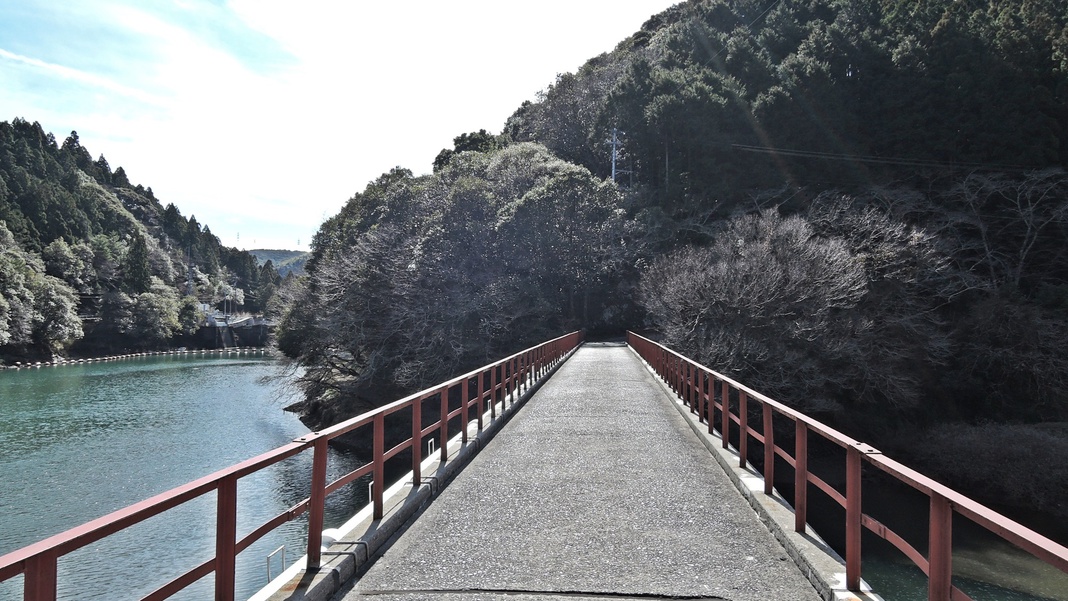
(361, 540)
(823, 567)
(820, 564)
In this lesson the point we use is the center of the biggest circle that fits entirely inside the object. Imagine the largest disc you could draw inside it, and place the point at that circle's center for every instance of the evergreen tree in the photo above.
(136, 273)
(119, 179)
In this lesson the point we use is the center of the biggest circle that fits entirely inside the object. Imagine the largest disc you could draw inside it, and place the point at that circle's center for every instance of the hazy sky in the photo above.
(261, 117)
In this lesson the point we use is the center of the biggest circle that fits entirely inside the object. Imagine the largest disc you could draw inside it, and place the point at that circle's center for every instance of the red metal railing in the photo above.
(492, 385)
(706, 391)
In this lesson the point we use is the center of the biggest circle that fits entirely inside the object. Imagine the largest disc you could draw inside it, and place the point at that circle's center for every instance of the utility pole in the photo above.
(615, 142)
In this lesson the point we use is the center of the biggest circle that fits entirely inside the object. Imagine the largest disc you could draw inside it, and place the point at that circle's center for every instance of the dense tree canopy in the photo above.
(859, 207)
(35, 308)
(96, 261)
(717, 99)
(418, 277)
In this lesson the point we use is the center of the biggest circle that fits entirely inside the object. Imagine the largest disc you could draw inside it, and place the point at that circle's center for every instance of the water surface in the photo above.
(80, 441)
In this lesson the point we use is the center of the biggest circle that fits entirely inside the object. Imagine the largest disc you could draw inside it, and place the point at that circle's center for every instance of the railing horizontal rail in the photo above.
(175, 586)
(880, 530)
(689, 380)
(348, 478)
(509, 375)
(267, 527)
(92, 531)
(829, 490)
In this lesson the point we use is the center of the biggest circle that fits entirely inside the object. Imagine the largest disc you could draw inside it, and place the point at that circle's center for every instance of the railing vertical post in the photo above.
(506, 382)
(669, 367)
(676, 375)
(682, 383)
(520, 375)
(493, 392)
(317, 502)
(443, 427)
(711, 403)
(800, 475)
(725, 414)
(378, 471)
(853, 518)
(464, 392)
(769, 449)
(940, 550)
(40, 578)
(692, 383)
(517, 377)
(226, 540)
(743, 429)
(676, 367)
(702, 398)
(528, 369)
(481, 398)
(687, 386)
(417, 441)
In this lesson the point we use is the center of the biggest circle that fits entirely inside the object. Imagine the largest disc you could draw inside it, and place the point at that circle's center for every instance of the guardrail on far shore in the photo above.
(455, 400)
(696, 385)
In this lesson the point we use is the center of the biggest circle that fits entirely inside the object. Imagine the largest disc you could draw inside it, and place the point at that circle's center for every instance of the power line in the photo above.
(831, 156)
(748, 28)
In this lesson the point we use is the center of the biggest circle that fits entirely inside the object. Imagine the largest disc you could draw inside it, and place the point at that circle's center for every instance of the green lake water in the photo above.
(80, 441)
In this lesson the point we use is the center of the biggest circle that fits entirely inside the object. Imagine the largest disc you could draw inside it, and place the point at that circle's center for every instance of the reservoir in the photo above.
(80, 441)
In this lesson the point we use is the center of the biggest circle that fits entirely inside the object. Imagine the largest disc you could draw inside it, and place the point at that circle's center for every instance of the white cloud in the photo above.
(78, 76)
(268, 148)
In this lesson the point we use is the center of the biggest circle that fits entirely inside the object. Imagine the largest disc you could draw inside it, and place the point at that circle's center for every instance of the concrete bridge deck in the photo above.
(597, 489)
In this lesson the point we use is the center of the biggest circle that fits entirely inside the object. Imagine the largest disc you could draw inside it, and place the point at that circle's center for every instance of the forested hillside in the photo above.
(91, 263)
(846, 93)
(858, 207)
(283, 261)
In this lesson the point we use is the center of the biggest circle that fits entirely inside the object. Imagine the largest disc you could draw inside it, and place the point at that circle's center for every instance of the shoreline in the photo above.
(60, 361)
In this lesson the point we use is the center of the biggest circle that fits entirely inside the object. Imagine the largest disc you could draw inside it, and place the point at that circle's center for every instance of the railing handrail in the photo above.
(830, 433)
(120, 519)
(38, 560)
(688, 379)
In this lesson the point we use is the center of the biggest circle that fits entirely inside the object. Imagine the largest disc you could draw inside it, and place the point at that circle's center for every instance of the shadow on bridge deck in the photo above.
(597, 489)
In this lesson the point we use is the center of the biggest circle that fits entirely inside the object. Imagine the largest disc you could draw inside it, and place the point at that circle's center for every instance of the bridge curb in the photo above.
(819, 563)
(361, 540)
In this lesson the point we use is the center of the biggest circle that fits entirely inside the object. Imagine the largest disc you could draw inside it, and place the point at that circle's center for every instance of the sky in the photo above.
(262, 117)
